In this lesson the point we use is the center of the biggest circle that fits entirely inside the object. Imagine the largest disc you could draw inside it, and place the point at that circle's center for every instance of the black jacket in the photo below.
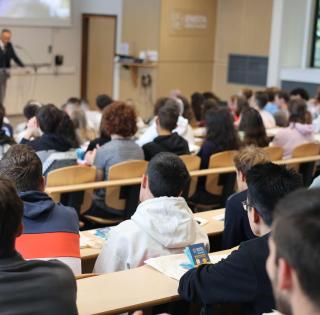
(7, 55)
(36, 287)
(236, 223)
(48, 142)
(241, 278)
(172, 143)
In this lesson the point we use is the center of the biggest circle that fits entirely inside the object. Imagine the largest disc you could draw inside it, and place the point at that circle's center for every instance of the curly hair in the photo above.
(119, 119)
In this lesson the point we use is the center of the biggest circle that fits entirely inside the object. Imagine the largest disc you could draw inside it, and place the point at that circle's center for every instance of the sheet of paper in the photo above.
(219, 217)
(170, 265)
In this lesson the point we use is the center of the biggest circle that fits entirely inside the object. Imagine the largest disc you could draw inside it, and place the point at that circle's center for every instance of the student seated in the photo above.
(29, 287)
(167, 140)
(50, 230)
(183, 128)
(58, 132)
(236, 223)
(252, 130)
(299, 131)
(294, 259)
(259, 101)
(163, 224)
(242, 277)
(282, 116)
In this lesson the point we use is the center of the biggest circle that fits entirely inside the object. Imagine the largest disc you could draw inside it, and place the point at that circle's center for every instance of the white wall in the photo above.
(48, 86)
(292, 27)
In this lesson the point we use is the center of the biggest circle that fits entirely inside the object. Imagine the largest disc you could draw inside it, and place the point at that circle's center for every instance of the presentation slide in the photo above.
(35, 12)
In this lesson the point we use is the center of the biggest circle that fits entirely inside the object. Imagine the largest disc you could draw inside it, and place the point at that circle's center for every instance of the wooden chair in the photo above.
(221, 186)
(306, 169)
(72, 175)
(123, 199)
(274, 153)
(192, 163)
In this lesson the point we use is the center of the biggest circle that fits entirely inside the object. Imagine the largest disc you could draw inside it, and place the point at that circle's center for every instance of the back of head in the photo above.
(248, 157)
(31, 109)
(211, 95)
(103, 100)
(267, 184)
(21, 165)
(49, 117)
(197, 100)
(66, 130)
(207, 105)
(220, 129)
(271, 92)
(298, 111)
(300, 93)
(261, 99)
(168, 116)
(167, 175)
(247, 93)
(296, 231)
(242, 104)
(187, 112)
(252, 125)
(284, 95)
(11, 211)
(78, 118)
(119, 119)
(159, 103)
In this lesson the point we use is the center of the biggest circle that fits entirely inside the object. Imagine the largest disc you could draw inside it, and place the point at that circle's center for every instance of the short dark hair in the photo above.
(296, 231)
(103, 100)
(168, 116)
(22, 165)
(49, 117)
(5, 30)
(167, 175)
(282, 94)
(31, 109)
(261, 99)
(267, 184)
(300, 92)
(11, 211)
(159, 103)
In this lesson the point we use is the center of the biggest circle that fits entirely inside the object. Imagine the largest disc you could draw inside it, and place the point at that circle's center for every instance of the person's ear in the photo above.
(157, 121)
(20, 230)
(42, 184)
(144, 181)
(285, 275)
(256, 216)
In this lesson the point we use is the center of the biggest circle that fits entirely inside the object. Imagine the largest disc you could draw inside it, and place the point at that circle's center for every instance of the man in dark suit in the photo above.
(241, 278)
(7, 53)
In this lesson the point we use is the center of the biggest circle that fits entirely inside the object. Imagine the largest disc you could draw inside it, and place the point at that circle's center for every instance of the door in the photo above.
(98, 51)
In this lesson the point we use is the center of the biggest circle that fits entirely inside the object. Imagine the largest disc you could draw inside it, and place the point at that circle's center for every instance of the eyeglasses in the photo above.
(246, 205)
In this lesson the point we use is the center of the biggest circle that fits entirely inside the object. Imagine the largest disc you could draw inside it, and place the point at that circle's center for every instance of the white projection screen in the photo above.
(35, 12)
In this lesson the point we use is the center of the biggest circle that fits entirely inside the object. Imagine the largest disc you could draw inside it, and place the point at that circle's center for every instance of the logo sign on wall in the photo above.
(188, 23)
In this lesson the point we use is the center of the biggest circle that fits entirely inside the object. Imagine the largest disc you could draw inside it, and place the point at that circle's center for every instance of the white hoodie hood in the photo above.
(168, 220)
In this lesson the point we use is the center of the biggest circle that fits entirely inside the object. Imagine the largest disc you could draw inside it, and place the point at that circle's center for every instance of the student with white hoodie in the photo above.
(299, 131)
(162, 225)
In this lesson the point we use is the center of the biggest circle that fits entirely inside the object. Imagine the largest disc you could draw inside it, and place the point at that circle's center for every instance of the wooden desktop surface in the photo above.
(126, 291)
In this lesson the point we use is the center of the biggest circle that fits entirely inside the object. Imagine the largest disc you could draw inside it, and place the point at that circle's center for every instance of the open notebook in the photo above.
(170, 265)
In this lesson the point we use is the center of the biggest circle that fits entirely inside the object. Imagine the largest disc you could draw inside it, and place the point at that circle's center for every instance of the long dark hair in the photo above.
(220, 129)
(254, 131)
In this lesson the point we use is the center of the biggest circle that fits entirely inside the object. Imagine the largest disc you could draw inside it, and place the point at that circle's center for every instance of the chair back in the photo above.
(192, 163)
(274, 153)
(308, 169)
(217, 183)
(73, 175)
(117, 197)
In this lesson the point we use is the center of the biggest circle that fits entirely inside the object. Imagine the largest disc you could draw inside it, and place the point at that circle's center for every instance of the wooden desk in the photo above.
(126, 291)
